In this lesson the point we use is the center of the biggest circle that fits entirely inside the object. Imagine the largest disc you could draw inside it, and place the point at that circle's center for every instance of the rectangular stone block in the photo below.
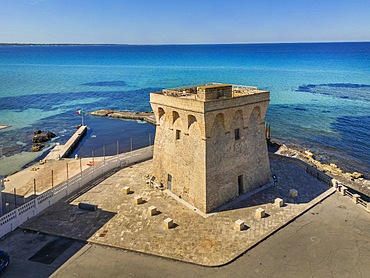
(239, 225)
(152, 210)
(343, 190)
(138, 200)
(168, 223)
(279, 202)
(126, 190)
(293, 193)
(260, 213)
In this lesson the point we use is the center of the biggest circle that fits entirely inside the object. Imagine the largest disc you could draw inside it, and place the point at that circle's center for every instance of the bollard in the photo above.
(260, 213)
(138, 200)
(279, 202)
(152, 210)
(239, 225)
(126, 190)
(168, 223)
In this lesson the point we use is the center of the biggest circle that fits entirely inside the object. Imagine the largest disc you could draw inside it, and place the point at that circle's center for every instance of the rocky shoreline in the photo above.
(141, 116)
(353, 180)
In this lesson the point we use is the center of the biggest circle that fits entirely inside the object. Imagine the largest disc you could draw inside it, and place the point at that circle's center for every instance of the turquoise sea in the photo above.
(320, 93)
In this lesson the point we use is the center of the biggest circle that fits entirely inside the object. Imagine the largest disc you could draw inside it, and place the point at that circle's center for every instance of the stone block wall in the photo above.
(213, 150)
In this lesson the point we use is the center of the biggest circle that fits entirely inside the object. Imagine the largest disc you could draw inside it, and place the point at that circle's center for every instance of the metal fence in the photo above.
(16, 217)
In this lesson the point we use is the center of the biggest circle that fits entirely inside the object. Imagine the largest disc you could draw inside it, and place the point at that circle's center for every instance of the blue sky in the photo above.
(183, 21)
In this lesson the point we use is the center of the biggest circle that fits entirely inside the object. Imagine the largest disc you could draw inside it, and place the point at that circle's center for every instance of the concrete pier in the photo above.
(61, 151)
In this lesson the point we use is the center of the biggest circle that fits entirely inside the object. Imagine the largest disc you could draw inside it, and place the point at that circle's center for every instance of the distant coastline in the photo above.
(59, 44)
(176, 44)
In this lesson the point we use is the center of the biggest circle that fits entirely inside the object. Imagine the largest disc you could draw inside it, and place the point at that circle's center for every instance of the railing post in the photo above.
(67, 180)
(81, 168)
(356, 197)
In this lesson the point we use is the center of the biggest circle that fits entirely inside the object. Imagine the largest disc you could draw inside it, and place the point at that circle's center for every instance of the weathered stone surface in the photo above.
(210, 149)
(130, 227)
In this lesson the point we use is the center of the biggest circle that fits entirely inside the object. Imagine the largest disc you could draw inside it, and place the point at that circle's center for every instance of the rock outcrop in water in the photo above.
(355, 180)
(39, 139)
(141, 116)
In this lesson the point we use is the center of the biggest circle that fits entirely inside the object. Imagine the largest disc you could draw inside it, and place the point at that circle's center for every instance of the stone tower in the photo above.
(210, 144)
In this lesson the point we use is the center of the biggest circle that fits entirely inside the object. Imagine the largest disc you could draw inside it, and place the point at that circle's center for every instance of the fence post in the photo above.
(356, 197)
(15, 198)
(104, 153)
(34, 187)
(67, 180)
(81, 168)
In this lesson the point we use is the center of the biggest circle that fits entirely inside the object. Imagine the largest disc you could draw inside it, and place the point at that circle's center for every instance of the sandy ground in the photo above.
(23, 181)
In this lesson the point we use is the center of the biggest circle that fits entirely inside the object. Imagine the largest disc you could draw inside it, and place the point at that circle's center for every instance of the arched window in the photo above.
(191, 120)
(160, 112)
(175, 116)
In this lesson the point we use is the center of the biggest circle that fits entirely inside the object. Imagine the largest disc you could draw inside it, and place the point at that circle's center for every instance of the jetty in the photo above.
(141, 116)
(61, 151)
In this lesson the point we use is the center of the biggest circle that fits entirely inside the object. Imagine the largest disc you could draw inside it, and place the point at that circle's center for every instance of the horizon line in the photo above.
(170, 44)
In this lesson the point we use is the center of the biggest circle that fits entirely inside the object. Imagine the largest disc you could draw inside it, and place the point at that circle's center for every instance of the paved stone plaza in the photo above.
(210, 240)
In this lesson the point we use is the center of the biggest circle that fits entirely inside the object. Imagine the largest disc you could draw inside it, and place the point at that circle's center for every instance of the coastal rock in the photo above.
(142, 116)
(50, 135)
(357, 175)
(40, 138)
(37, 147)
(102, 113)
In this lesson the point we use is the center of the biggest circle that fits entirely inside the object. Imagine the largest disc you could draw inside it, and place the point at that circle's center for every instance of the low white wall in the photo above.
(16, 217)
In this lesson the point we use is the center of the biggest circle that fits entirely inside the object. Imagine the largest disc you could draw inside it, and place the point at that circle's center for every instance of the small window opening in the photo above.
(237, 134)
(240, 184)
(178, 134)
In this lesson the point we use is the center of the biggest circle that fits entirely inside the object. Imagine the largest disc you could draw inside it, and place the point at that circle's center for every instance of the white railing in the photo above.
(16, 217)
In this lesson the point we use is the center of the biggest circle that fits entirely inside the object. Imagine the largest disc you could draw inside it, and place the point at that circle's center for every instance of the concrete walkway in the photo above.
(207, 241)
(61, 151)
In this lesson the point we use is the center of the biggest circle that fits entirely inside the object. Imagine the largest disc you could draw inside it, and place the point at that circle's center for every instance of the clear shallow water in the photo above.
(320, 93)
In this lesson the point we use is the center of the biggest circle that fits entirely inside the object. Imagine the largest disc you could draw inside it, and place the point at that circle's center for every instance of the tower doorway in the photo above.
(169, 182)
